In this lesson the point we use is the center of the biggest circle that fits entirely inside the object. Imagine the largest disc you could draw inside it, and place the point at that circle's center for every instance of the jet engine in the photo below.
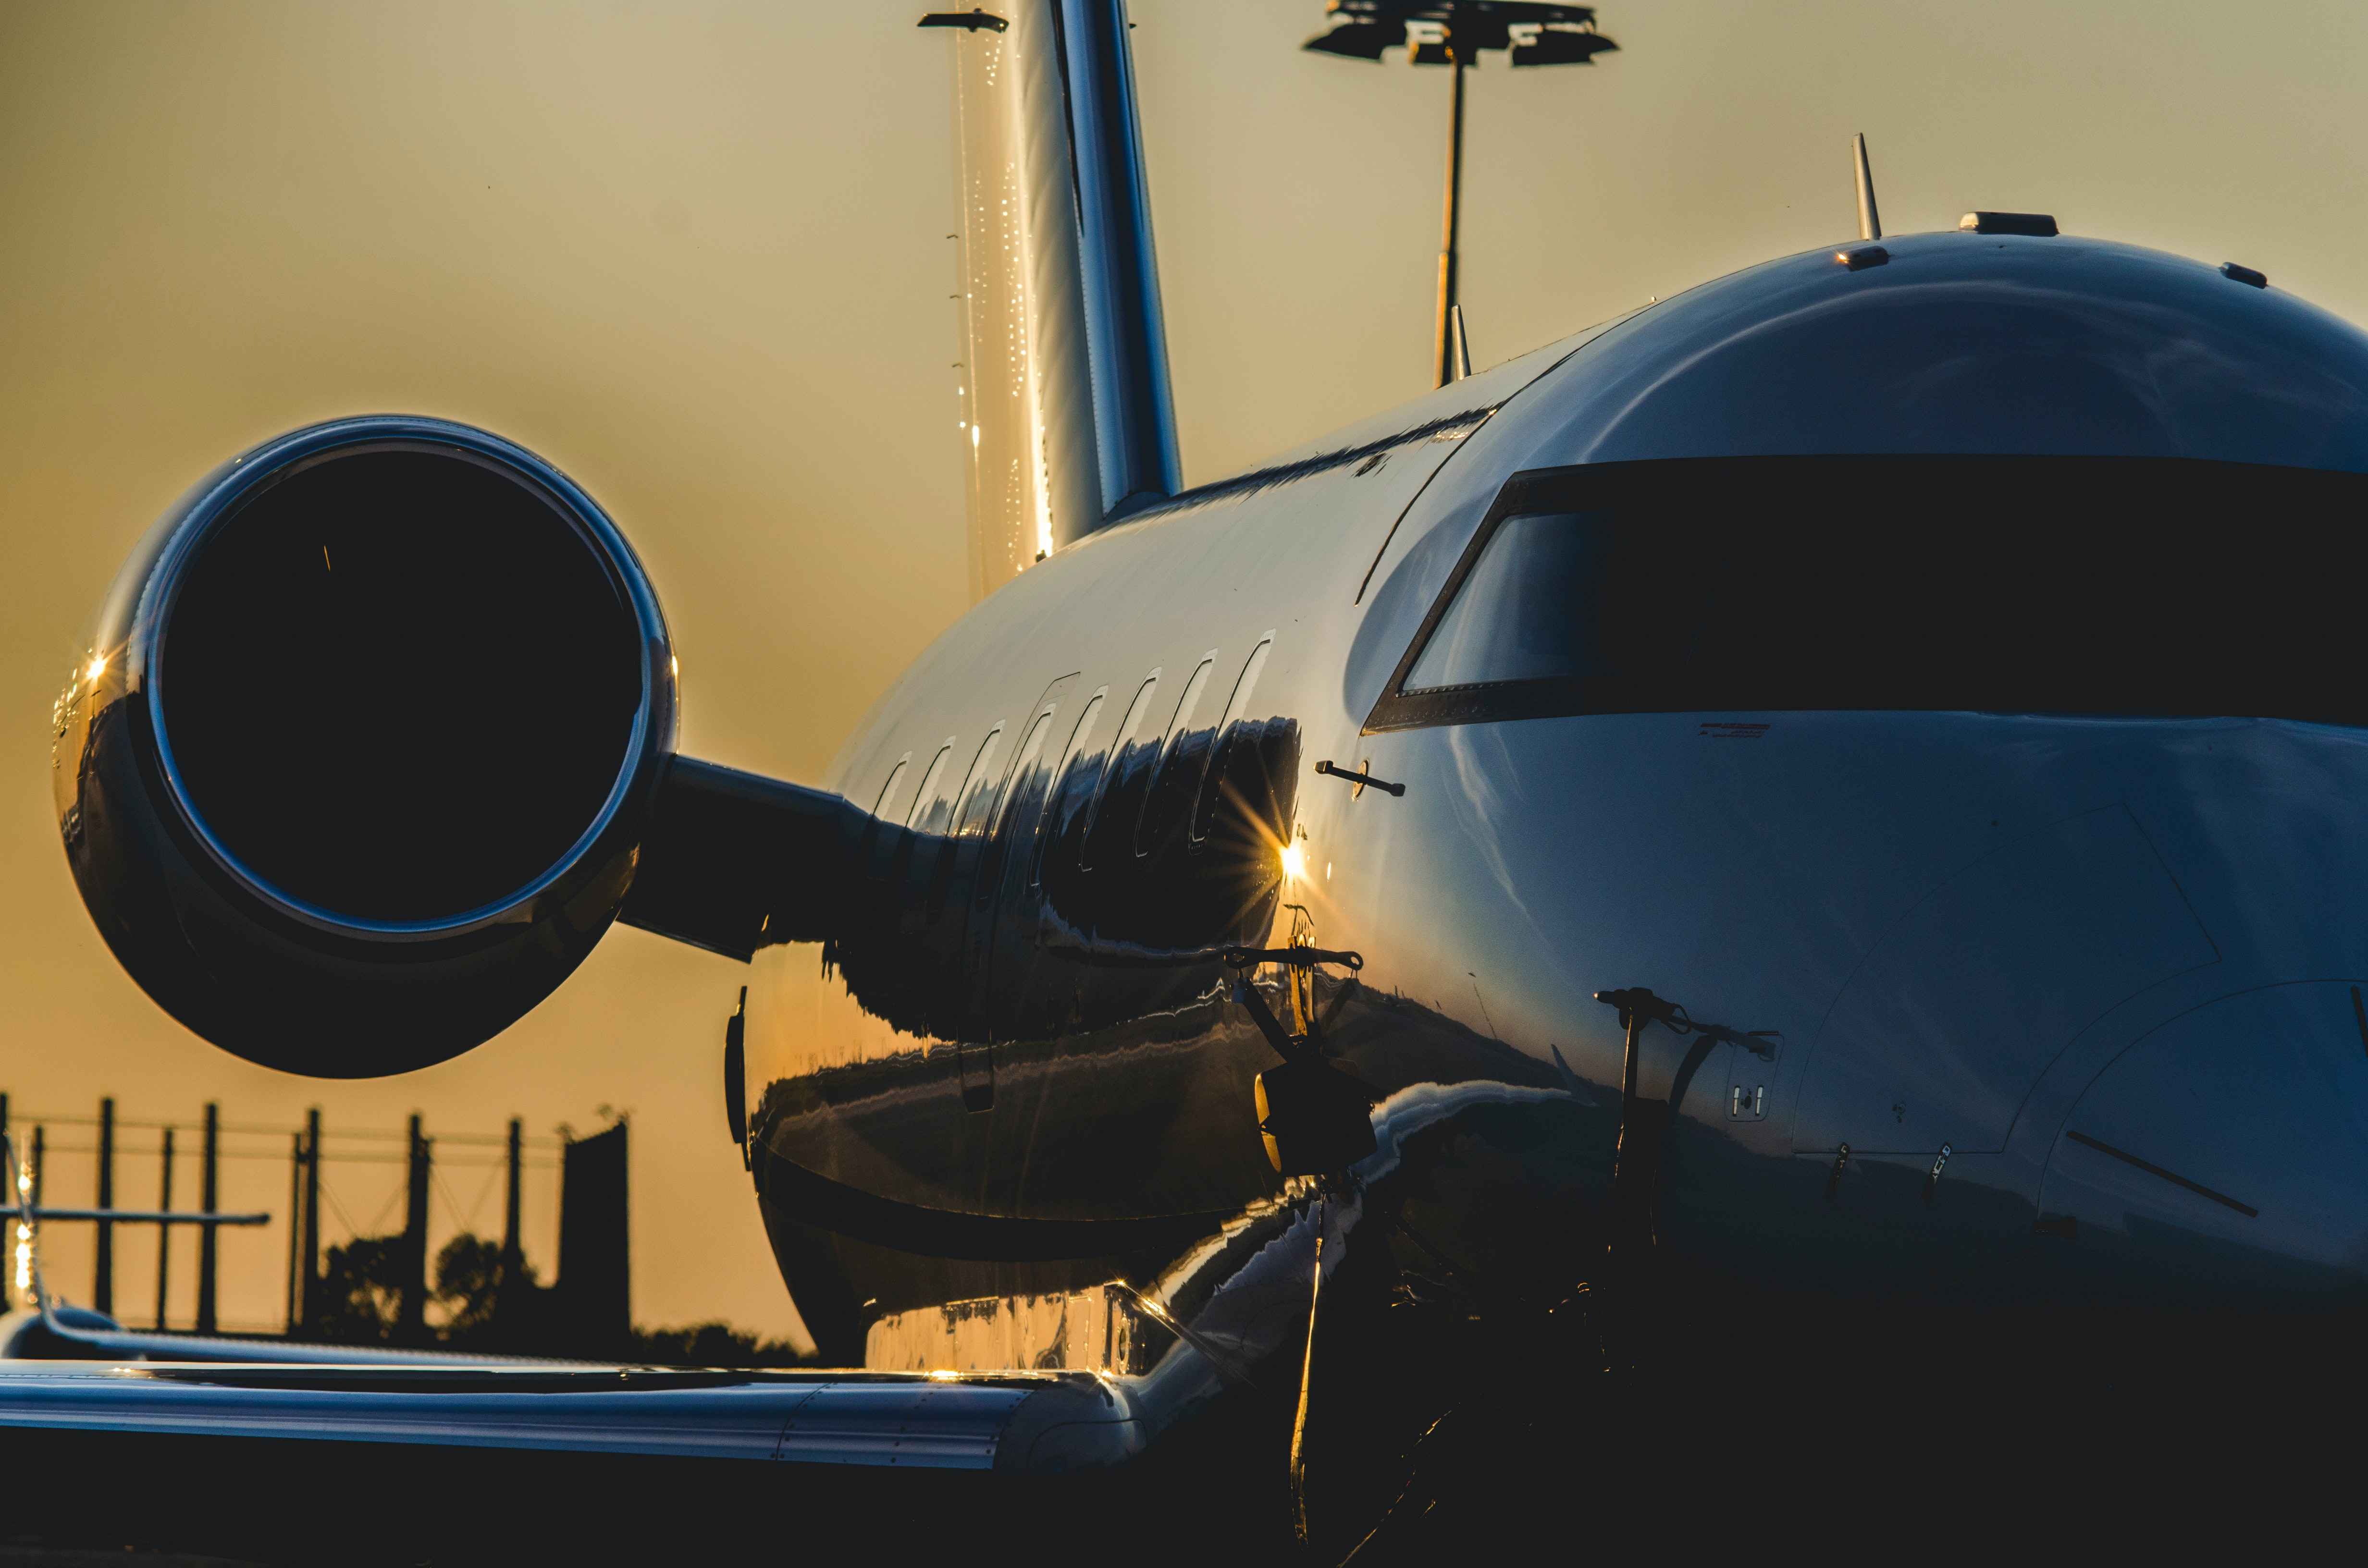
(356, 763)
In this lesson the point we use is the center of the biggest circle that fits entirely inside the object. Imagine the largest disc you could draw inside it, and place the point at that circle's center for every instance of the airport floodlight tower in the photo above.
(1456, 33)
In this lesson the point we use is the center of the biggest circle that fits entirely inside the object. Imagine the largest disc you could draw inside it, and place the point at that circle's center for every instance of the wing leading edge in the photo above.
(1049, 1423)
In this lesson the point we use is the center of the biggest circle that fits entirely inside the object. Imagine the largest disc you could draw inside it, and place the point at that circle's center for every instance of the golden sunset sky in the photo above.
(695, 253)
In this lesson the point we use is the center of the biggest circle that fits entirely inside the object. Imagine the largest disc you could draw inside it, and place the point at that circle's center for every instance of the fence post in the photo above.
(412, 1324)
(8, 1227)
(102, 1277)
(308, 1298)
(295, 1225)
(209, 1235)
(513, 1248)
(164, 1231)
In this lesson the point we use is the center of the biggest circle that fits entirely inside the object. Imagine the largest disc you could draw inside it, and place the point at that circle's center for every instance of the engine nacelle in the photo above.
(356, 765)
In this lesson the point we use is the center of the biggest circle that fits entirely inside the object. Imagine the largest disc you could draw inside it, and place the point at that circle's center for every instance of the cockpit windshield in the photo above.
(2088, 585)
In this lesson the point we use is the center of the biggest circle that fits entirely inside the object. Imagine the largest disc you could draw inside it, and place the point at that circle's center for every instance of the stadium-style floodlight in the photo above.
(1455, 33)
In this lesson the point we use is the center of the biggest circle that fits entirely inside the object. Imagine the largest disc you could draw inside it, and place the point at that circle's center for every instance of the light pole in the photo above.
(1454, 33)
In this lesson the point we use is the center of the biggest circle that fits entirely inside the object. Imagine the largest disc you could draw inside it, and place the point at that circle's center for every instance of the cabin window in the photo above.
(1075, 775)
(1026, 785)
(983, 789)
(1124, 754)
(1210, 782)
(883, 808)
(2109, 586)
(931, 810)
(1183, 754)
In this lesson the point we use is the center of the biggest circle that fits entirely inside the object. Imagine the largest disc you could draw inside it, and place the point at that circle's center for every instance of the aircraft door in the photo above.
(2219, 1158)
(1955, 1012)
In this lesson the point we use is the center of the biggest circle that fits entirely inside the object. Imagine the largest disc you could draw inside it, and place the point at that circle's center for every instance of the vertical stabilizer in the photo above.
(1126, 328)
(1066, 414)
(1026, 417)
(1870, 222)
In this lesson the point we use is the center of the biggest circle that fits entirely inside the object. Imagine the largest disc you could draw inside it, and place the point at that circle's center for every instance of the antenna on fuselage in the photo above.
(1461, 345)
(1870, 222)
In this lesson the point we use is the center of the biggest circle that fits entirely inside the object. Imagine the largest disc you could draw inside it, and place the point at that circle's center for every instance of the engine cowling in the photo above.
(355, 766)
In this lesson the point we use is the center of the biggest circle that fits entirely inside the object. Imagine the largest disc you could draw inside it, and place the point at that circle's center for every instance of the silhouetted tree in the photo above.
(360, 1296)
(468, 1284)
(710, 1344)
(485, 1312)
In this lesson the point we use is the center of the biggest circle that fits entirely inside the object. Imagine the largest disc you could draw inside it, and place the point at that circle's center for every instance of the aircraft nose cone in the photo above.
(2222, 1160)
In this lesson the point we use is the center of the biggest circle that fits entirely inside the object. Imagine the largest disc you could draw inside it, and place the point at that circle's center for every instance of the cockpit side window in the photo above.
(2140, 587)
(1521, 614)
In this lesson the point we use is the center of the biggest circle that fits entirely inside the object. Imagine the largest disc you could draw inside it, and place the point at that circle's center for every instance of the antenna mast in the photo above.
(1870, 222)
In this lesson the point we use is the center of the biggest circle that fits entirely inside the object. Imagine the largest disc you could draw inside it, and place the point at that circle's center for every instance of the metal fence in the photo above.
(316, 1215)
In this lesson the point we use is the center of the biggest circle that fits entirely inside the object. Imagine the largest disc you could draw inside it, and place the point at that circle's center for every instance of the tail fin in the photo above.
(1067, 418)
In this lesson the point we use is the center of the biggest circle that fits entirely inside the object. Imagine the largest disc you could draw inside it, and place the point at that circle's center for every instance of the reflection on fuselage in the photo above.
(1032, 966)
(1016, 1073)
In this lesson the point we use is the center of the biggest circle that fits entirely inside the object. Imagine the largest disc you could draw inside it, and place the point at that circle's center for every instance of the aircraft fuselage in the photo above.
(2049, 981)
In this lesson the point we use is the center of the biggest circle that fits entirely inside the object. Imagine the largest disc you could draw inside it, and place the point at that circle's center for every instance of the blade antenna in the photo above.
(1870, 222)
(1462, 344)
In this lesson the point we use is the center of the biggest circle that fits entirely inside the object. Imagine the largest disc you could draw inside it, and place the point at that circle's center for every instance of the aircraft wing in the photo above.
(1022, 1422)
(73, 1334)
(115, 1379)
(451, 1464)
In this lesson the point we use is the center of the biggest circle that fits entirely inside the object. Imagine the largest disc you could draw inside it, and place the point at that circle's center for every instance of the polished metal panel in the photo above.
(2222, 1149)
(1963, 343)
(1991, 975)
(1835, 880)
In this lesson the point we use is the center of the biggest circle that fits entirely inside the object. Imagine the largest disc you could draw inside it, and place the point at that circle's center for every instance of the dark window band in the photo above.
(2125, 586)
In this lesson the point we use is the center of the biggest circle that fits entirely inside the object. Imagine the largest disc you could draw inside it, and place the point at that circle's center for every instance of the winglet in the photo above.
(1460, 345)
(1870, 223)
